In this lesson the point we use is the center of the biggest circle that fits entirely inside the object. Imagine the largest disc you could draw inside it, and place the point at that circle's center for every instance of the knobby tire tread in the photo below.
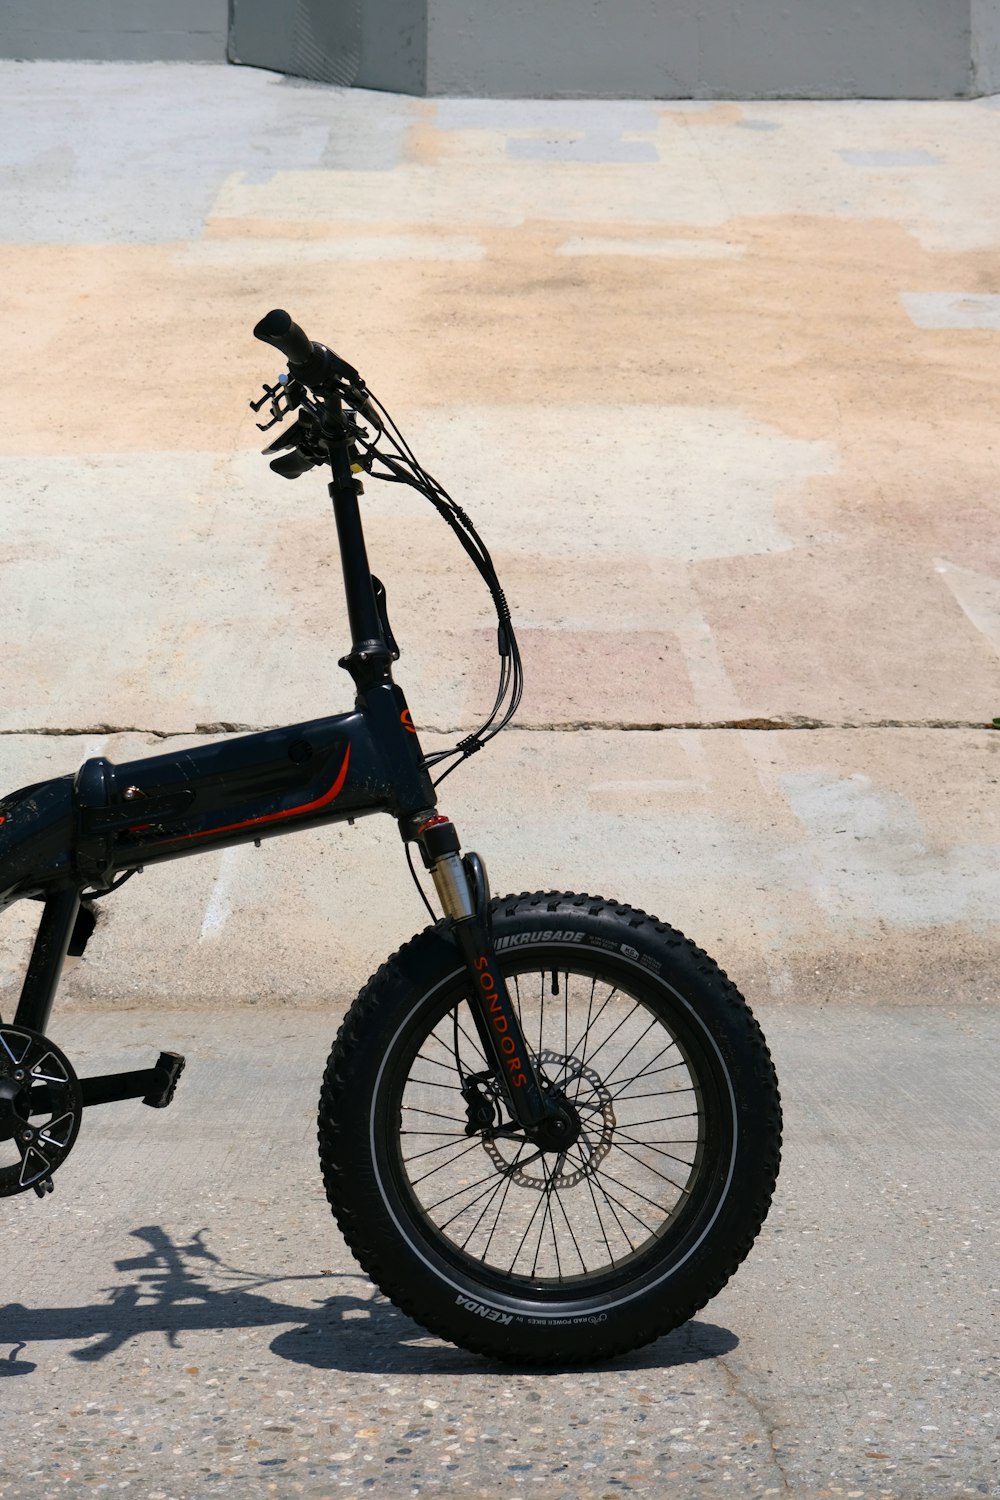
(386, 990)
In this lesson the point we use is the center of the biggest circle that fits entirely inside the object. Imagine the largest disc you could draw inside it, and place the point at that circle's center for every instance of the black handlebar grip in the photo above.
(278, 330)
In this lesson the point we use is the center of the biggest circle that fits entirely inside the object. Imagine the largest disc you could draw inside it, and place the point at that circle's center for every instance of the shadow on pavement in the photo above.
(170, 1294)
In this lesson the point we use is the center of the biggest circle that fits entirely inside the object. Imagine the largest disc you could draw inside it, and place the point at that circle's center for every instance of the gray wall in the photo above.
(590, 48)
(127, 30)
(380, 44)
(986, 46)
(394, 46)
(714, 48)
(922, 49)
(302, 37)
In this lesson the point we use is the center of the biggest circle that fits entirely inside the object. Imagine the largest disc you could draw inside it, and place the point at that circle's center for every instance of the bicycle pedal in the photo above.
(169, 1067)
(44, 1187)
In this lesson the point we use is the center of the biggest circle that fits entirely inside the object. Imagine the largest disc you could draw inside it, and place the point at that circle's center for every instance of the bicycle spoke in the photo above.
(608, 1076)
(471, 1146)
(586, 1029)
(486, 1208)
(591, 1183)
(600, 1221)
(650, 1229)
(430, 1151)
(434, 1085)
(474, 1044)
(541, 1013)
(602, 1008)
(524, 1236)
(614, 1032)
(466, 1206)
(635, 1140)
(552, 1193)
(656, 1094)
(649, 1070)
(575, 1215)
(603, 1172)
(448, 1068)
(467, 1187)
(625, 1152)
(435, 1114)
(507, 1187)
(548, 1209)
(576, 1247)
(692, 1114)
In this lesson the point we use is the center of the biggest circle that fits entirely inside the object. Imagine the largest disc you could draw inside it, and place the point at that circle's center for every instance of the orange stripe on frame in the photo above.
(291, 812)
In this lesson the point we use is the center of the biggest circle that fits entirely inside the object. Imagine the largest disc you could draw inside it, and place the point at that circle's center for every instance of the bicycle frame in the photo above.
(71, 835)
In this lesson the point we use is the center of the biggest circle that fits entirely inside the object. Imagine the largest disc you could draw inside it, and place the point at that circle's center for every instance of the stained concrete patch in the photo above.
(608, 117)
(675, 249)
(978, 594)
(867, 634)
(554, 490)
(911, 158)
(953, 309)
(508, 194)
(119, 175)
(619, 674)
(366, 132)
(588, 148)
(279, 253)
(173, 567)
(874, 863)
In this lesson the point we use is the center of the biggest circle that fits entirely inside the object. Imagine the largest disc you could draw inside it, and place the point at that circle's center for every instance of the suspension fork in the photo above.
(463, 891)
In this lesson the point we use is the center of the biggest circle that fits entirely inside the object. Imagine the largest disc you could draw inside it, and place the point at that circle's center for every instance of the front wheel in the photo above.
(556, 1256)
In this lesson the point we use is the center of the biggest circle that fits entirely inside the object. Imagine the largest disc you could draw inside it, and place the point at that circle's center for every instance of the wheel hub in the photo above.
(560, 1131)
(579, 1136)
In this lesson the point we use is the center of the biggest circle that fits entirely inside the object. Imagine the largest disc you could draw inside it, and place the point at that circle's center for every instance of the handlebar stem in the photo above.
(370, 657)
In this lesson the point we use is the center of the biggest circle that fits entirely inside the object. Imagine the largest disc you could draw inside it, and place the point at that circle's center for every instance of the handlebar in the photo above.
(287, 337)
(314, 364)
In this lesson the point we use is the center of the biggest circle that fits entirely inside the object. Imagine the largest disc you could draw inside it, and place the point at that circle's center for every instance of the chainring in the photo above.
(40, 1107)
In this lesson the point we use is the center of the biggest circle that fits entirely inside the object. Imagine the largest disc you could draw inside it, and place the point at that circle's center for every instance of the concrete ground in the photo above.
(720, 384)
(182, 1319)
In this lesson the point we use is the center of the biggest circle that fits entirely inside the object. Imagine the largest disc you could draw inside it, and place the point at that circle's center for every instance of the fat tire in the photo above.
(399, 1250)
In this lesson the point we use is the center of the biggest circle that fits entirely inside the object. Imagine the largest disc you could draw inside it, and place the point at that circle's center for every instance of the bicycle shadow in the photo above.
(178, 1288)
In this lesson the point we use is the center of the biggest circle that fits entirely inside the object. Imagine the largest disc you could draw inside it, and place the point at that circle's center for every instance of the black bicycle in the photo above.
(549, 1127)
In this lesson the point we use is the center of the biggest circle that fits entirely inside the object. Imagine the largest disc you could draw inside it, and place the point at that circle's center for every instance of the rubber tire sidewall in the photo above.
(470, 1307)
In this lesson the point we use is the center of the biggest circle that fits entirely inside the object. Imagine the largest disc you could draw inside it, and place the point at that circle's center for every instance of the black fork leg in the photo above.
(45, 967)
(546, 1119)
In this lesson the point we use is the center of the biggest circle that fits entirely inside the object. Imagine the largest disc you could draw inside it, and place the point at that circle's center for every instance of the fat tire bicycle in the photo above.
(549, 1127)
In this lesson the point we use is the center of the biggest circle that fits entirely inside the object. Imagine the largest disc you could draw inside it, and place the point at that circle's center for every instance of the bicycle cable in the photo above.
(403, 467)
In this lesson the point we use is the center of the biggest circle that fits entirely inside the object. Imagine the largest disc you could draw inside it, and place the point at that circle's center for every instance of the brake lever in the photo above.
(286, 390)
(296, 436)
(291, 465)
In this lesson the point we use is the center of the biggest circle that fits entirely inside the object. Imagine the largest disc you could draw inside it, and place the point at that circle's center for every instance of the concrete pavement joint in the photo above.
(757, 1407)
(568, 726)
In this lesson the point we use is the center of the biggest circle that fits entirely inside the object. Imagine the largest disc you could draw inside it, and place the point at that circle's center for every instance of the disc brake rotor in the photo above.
(587, 1093)
(40, 1108)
